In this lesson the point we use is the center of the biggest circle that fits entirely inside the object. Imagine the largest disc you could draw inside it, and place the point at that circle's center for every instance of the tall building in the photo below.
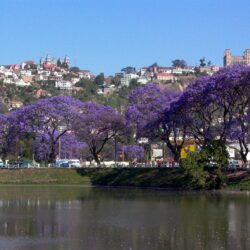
(229, 59)
(66, 60)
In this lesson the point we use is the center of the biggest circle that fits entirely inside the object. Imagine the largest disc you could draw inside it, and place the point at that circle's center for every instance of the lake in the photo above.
(71, 217)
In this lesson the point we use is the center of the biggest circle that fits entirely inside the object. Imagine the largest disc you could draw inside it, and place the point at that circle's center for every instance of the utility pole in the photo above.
(115, 150)
(59, 142)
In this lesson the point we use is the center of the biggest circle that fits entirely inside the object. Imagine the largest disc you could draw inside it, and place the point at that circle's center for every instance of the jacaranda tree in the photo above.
(68, 145)
(9, 135)
(96, 125)
(151, 113)
(51, 118)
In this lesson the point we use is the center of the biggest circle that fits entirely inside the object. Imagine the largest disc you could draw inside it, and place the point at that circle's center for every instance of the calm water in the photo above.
(113, 219)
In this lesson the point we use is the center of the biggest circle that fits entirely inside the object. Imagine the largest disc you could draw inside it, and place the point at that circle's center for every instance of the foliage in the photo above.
(99, 80)
(133, 152)
(195, 171)
(74, 69)
(52, 117)
(116, 80)
(134, 84)
(9, 135)
(68, 76)
(178, 63)
(217, 153)
(202, 62)
(204, 168)
(96, 125)
(68, 145)
(129, 70)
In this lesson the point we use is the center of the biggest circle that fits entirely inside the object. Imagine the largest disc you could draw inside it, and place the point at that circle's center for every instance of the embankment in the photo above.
(129, 177)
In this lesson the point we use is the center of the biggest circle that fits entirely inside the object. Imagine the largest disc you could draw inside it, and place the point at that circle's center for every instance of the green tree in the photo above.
(59, 63)
(204, 168)
(74, 69)
(128, 70)
(133, 84)
(116, 81)
(179, 63)
(99, 80)
(203, 62)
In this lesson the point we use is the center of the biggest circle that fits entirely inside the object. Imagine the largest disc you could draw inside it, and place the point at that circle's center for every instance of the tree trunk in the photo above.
(175, 150)
(177, 155)
(96, 158)
(243, 151)
(95, 155)
(147, 155)
(52, 154)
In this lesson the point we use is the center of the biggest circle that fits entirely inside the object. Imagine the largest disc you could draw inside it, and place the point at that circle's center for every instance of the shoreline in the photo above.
(172, 180)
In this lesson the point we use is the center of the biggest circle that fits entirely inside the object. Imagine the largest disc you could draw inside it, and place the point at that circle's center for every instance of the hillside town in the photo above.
(124, 125)
(53, 76)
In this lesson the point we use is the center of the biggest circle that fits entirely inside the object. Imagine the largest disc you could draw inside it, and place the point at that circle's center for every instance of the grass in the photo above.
(43, 176)
(138, 177)
(130, 177)
(239, 181)
(135, 177)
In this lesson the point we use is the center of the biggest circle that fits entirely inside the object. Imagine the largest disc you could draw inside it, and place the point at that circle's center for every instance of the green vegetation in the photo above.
(138, 177)
(173, 179)
(204, 168)
(42, 176)
(134, 177)
(239, 181)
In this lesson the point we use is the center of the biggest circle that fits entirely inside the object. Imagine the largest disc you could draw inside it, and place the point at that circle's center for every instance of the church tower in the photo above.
(227, 57)
(66, 60)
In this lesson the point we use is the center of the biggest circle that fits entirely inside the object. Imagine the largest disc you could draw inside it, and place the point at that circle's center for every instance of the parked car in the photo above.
(15, 164)
(74, 163)
(64, 164)
(61, 163)
(2, 165)
(19, 164)
(233, 164)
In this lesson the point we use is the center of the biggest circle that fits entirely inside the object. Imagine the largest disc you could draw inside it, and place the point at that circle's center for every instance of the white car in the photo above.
(233, 164)
(61, 163)
(74, 163)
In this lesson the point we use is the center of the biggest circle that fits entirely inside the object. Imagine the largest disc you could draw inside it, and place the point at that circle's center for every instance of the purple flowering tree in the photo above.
(97, 125)
(133, 152)
(51, 118)
(70, 147)
(153, 114)
(237, 91)
(9, 135)
(217, 107)
(146, 105)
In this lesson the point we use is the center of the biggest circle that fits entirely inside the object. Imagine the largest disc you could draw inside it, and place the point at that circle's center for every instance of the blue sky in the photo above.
(105, 36)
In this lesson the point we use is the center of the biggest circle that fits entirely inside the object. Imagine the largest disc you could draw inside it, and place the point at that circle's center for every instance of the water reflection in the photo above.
(92, 218)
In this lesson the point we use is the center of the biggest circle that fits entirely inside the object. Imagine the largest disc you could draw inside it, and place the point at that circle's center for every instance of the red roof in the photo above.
(48, 66)
(29, 62)
(164, 74)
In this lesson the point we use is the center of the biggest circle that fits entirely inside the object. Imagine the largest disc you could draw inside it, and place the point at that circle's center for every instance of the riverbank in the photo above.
(130, 177)
(239, 180)
(43, 176)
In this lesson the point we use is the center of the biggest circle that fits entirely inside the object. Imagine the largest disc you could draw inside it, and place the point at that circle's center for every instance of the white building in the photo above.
(180, 71)
(125, 80)
(8, 81)
(84, 74)
(22, 83)
(143, 80)
(26, 72)
(62, 84)
(75, 80)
